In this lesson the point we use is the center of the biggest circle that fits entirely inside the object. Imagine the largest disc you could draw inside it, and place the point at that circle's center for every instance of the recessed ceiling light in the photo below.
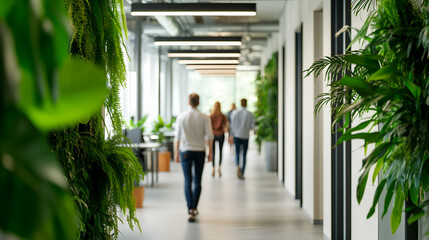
(211, 66)
(204, 54)
(193, 9)
(218, 74)
(208, 71)
(209, 61)
(197, 41)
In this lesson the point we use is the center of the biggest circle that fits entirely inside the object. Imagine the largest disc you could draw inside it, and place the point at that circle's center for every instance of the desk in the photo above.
(150, 149)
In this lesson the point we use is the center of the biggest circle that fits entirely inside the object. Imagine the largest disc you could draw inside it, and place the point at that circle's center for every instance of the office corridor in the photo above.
(230, 209)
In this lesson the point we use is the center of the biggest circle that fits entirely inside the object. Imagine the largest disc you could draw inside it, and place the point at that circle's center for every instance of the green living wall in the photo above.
(266, 105)
(61, 177)
(101, 174)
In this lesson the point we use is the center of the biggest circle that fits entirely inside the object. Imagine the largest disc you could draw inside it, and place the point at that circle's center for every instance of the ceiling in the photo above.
(253, 30)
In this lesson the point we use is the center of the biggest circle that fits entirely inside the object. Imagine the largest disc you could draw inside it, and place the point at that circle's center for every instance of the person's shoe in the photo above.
(220, 173)
(213, 172)
(191, 218)
(239, 174)
(194, 212)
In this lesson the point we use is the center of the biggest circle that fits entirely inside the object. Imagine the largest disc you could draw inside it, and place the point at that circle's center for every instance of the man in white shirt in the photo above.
(193, 131)
(242, 121)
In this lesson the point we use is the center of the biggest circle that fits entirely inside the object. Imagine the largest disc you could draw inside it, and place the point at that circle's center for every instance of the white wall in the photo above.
(293, 17)
(326, 116)
(272, 47)
(359, 211)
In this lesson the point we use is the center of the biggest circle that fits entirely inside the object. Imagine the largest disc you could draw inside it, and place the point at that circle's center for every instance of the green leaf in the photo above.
(37, 205)
(360, 86)
(376, 197)
(361, 185)
(377, 169)
(371, 137)
(388, 198)
(414, 89)
(82, 88)
(359, 127)
(369, 62)
(383, 73)
(376, 154)
(5, 7)
(395, 218)
(414, 217)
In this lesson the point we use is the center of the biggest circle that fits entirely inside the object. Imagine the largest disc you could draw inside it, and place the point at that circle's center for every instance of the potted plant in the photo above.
(164, 155)
(138, 190)
(389, 79)
(266, 112)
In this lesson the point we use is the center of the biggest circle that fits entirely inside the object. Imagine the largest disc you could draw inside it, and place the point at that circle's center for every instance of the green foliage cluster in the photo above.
(39, 93)
(100, 173)
(266, 106)
(389, 79)
(139, 124)
(159, 127)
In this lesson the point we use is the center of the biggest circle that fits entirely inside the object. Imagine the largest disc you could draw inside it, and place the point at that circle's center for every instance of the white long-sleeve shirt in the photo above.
(242, 121)
(192, 129)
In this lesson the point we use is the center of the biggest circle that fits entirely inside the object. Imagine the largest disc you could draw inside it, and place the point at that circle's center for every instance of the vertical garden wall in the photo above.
(61, 176)
(100, 173)
(266, 106)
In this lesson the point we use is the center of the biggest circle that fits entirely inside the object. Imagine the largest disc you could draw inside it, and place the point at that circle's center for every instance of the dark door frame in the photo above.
(298, 115)
(283, 110)
(341, 154)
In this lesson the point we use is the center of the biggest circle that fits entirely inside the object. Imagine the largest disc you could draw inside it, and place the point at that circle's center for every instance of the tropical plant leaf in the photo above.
(369, 62)
(416, 216)
(377, 195)
(388, 198)
(395, 218)
(371, 137)
(414, 89)
(361, 185)
(81, 93)
(359, 85)
(383, 73)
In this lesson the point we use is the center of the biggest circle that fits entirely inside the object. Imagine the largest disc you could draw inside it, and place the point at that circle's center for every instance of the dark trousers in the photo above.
(238, 142)
(192, 160)
(220, 139)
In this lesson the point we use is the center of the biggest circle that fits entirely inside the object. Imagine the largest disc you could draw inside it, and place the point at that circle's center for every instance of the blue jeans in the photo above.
(192, 159)
(238, 142)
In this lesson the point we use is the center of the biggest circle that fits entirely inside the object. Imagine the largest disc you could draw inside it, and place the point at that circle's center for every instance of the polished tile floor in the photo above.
(230, 209)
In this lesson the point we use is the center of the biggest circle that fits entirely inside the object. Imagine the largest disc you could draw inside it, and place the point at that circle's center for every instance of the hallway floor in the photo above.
(230, 209)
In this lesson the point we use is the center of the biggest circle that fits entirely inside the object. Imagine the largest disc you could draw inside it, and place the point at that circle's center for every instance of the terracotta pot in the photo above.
(164, 161)
(138, 193)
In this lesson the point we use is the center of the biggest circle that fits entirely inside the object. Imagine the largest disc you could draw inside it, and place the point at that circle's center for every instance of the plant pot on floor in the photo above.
(164, 161)
(270, 152)
(138, 194)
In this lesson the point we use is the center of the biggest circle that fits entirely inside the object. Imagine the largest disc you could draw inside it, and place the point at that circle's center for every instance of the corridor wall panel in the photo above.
(292, 24)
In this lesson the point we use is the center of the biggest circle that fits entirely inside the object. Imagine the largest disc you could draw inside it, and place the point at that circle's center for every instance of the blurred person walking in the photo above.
(219, 126)
(193, 131)
(242, 121)
(231, 143)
